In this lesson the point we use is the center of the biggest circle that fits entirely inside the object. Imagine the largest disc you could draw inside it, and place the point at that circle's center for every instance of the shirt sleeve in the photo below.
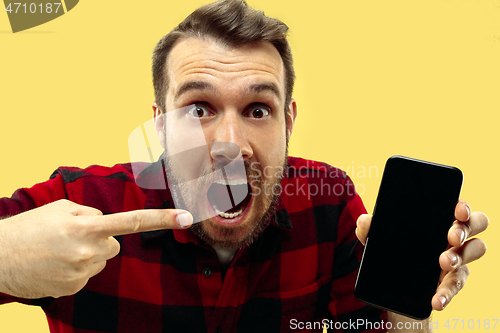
(26, 199)
(346, 313)
(29, 198)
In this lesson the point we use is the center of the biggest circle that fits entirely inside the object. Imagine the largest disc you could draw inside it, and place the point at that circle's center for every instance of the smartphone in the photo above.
(414, 210)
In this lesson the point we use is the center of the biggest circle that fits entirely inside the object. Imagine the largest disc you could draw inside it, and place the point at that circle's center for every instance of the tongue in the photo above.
(227, 198)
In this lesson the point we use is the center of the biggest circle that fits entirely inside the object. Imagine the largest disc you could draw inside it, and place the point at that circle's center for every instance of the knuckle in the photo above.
(93, 211)
(82, 255)
(136, 221)
(60, 291)
(114, 248)
(117, 250)
(74, 283)
(100, 267)
(88, 225)
(68, 206)
(71, 290)
(466, 271)
(62, 202)
(462, 277)
(459, 284)
(75, 228)
(79, 285)
(455, 286)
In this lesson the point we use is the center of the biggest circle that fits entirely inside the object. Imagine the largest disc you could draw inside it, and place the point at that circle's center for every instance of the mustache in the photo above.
(196, 163)
(215, 171)
(209, 175)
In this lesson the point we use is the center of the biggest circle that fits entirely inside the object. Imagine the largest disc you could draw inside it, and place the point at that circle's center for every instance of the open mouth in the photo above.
(229, 198)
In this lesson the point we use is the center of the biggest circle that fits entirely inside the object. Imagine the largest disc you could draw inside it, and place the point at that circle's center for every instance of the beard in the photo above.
(264, 201)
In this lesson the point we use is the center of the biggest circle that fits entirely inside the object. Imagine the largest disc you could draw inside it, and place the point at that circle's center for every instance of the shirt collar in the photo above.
(281, 218)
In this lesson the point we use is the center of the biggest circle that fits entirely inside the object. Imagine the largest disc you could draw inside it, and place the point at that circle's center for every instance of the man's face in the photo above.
(239, 98)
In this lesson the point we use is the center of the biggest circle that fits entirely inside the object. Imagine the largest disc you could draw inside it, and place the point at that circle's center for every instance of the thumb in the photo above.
(363, 226)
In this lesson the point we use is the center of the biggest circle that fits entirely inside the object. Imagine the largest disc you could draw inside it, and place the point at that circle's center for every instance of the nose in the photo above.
(225, 150)
(229, 138)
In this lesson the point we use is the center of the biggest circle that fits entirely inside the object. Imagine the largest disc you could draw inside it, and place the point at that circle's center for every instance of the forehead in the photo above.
(201, 59)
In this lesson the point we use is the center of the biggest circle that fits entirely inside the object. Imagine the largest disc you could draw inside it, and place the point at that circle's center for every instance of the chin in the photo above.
(240, 233)
(229, 233)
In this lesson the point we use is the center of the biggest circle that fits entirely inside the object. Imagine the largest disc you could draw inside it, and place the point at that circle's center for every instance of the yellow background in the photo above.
(374, 79)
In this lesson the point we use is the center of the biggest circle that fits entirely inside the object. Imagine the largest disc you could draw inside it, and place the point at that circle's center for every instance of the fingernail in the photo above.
(442, 299)
(453, 259)
(184, 219)
(461, 235)
(466, 205)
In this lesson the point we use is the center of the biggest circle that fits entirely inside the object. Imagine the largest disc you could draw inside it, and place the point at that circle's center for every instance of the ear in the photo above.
(159, 119)
(291, 114)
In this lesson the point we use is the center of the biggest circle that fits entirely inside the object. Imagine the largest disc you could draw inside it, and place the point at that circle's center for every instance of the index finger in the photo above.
(142, 220)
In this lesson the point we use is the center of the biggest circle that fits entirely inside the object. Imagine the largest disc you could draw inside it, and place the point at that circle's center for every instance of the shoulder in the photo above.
(317, 178)
(315, 185)
(109, 189)
(71, 174)
(313, 169)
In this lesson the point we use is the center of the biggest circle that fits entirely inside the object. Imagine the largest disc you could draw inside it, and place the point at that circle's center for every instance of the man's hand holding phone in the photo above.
(461, 249)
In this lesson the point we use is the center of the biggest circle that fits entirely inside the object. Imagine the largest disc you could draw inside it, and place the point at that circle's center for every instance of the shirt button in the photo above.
(207, 272)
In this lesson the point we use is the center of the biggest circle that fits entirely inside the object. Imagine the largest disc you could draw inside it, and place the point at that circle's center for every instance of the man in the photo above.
(271, 260)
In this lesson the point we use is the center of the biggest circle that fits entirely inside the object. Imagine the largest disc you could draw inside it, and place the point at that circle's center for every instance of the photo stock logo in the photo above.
(26, 15)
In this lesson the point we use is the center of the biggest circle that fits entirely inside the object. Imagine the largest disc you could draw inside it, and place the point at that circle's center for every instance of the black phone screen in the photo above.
(414, 210)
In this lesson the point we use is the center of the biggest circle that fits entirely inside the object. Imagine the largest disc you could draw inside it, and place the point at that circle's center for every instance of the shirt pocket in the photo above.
(287, 311)
(300, 301)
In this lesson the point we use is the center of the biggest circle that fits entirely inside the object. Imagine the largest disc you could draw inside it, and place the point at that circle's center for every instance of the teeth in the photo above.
(227, 215)
(231, 181)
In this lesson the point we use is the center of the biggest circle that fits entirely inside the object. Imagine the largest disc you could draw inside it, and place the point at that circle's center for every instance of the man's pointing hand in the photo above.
(55, 249)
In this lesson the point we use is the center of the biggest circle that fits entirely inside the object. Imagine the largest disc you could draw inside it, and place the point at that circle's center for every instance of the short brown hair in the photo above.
(231, 22)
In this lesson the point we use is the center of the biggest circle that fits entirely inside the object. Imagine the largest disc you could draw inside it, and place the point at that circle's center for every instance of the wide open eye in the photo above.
(198, 111)
(258, 112)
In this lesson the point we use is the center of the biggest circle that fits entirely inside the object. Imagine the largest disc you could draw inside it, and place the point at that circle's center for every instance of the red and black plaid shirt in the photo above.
(300, 271)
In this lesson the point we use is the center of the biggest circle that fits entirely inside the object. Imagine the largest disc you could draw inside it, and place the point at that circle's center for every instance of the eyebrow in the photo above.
(259, 87)
(203, 85)
(193, 85)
